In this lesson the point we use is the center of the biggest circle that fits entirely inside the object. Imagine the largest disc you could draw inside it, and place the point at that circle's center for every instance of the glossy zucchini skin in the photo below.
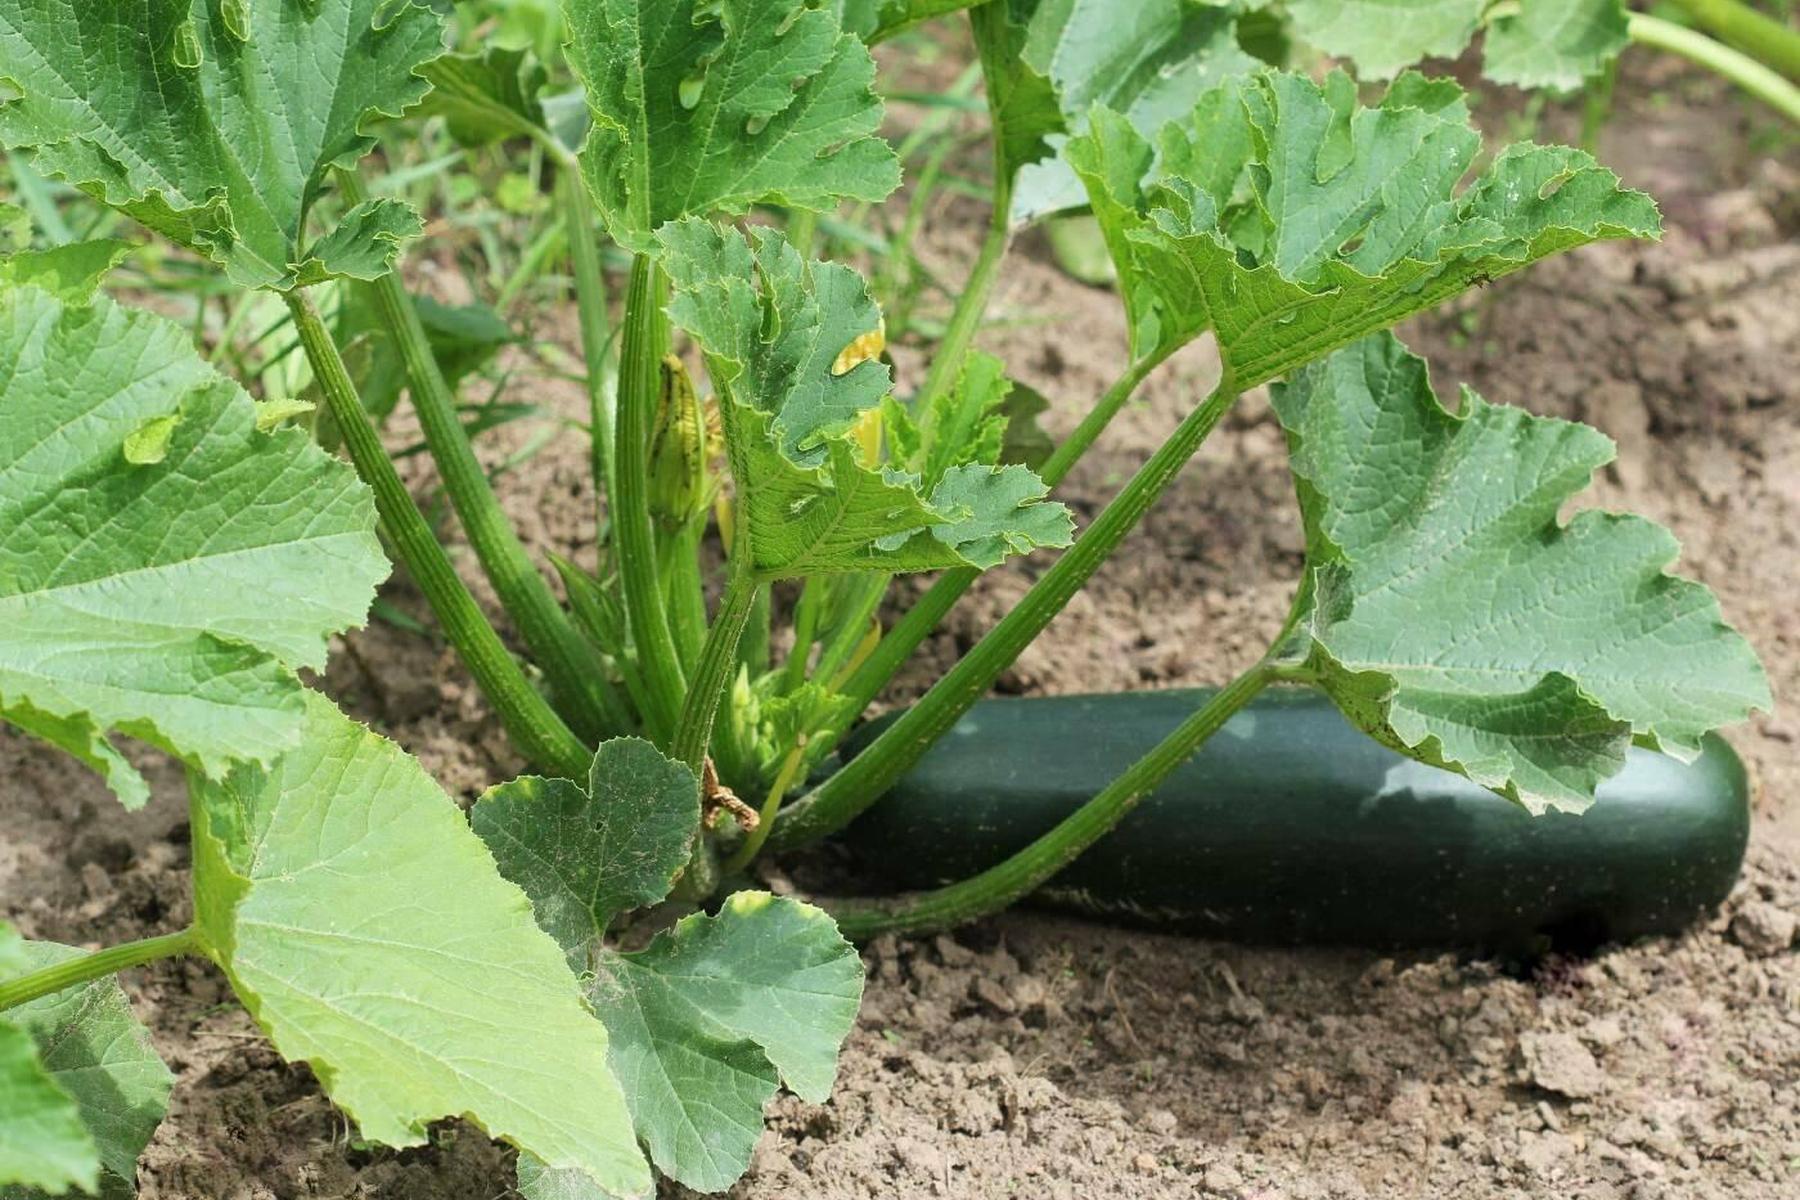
(1291, 826)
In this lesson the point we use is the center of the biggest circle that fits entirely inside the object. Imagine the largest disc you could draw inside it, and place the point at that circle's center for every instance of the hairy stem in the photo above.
(714, 670)
(840, 799)
(1757, 34)
(634, 534)
(683, 593)
(930, 609)
(1010, 881)
(1760, 81)
(576, 674)
(530, 722)
(99, 964)
(971, 306)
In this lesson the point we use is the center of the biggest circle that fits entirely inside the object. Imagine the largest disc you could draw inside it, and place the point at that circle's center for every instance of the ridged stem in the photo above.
(1765, 84)
(714, 671)
(534, 727)
(1757, 34)
(101, 963)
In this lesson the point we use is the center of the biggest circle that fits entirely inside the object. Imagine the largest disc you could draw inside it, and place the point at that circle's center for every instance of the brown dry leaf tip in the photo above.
(716, 799)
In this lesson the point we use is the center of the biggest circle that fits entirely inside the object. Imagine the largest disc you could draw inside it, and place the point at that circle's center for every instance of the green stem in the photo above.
(867, 591)
(1760, 81)
(931, 608)
(683, 592)
(596, 329)
(531, 723)
(802, 230)
(806, 630)
(98, 965)
(575, 672)
(971, 306)
(1018, 876)
(840, 799)
(714, 672)
(1761, 36)
(634, 534)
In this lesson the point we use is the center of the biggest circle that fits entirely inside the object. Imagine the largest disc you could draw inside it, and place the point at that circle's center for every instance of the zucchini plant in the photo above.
(174, 553)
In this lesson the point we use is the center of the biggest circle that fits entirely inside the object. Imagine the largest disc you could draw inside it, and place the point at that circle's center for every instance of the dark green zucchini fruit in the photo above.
(1291, 826)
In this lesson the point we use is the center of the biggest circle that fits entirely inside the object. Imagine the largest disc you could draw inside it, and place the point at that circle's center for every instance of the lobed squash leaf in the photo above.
(488, 96)
(71, 273)
(366, 929)
(216, 124)
(96, 1054)
(710, 106)
(165, 567)
(1288, 219)
(1452, 615)
(586, 855)
(708, 1019)
(785, 345)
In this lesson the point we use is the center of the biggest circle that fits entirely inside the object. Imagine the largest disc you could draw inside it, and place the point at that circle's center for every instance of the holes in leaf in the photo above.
(187, 52)
(1553, 185)
(236, 16)
(789, 21)
(689, 90)
(756, 123)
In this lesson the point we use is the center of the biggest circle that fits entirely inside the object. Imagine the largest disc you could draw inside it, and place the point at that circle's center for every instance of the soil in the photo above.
(1036, 1056)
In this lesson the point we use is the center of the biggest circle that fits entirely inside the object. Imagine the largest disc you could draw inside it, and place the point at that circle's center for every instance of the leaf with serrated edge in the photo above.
(215, 125)
(710, 106)
(586, 855)
(813, 505)
(1452, 615)
(171, 601)
(97, 1051)
(43, 1143)
(1148, 60)
(1290, 220)
(1558, 44)
(365, 927)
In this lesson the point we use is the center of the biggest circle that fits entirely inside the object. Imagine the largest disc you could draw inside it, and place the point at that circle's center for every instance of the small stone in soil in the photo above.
(1763, 929)
(1558, 1062)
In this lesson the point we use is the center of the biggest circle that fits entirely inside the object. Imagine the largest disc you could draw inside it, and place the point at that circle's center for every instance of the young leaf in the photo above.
(173, 600)
(1148, 60)
(97, 1052)
(775, 331)
(710, 106)
(1290, 220)
(486, 97)
(1452, 616)
(708, 1017)
(215, 124)
(584, 856)
(365, 928)
(43, 1142)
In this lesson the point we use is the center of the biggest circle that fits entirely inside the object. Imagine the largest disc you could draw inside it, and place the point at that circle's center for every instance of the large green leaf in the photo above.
(164, 566)
(782, 341)
(710, 106)
(1554, 44)
(96, 1052)
(1383, 36)
(711, 1015)
(877, 20)
(1453, 616)
(43, 1143)
(1288, 219)
(366, 929)
(214, 122)
(586, 855)
(71, 273)
(1149, 61)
